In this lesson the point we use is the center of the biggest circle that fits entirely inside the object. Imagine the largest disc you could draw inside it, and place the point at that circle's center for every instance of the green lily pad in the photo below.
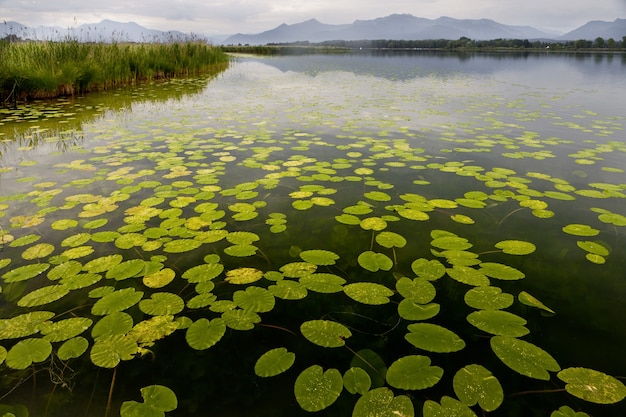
(126, 269)
(413, 373)
(159, 279)
(112, 324)
(433, 338)
(158, 399)
(316, 390)
(488, 298)
(325, 333)
(374, 262)
(323, 283)
(524, 357)
(28, 351)
(23, 325)
(73, 348)
(65, 329)
(242, 238)
(103, 263)
(288, 290)
(38, 251)
(203, 273)
(451, 243)
(181, 245)
(380, 402)
(241, 251)
(377, 196)
(527, 299)
(417, 290)
(390, 240)
(468, 275)
(373, 223)
(356, 381)
(516, 247)
(430, 270)
(319, 257)
(474, 384)
(417, 312)
(592, 386)
(43, 295)
(373, 364)
(116, 301)
(500, 271)
(203, 334)
(243, 276)
(162, 304)
(368, 293)
(298, 269)
(499, 322)
(274, 362)
(594, 248)
(255, 299)
(238, 319)
(449, 407)
(566, 411)
(25, 272)
(580, 230)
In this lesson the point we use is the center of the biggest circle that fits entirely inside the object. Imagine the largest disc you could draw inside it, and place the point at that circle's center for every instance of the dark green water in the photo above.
(487, 147)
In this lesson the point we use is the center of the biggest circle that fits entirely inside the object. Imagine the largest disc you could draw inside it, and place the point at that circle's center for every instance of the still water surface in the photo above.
(544, 132)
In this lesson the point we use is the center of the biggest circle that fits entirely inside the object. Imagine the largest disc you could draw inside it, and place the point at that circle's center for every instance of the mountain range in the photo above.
(396, 26)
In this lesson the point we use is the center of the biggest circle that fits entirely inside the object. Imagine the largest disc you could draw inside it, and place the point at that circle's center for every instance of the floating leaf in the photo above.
(288, 290)
(488, 298)
(390, 240)
(594, 248)
(319, 257)
(243, 275)
(474, 384)
(500, 271)
(240, 319)
(162, 304)
(116, 301)
(377, 196)
(28, 351)
(298, 269)
(451, 243)
(356, 381)
(468, 275)
(373, 223)
(65, 329)
(146, 332)
(566, 411)
(25, 272)
(449, 408)
(181, 245)
(111, 324)
(256, 299)
(103, 263)
(157, 399)
(413, 373)
(499, 322)
(580, 230)
(374, 262)
(524, 357)
(323, 283)
(72, 348)
(23, 325)
(38, 251)
(203, 334)
(316, 390)
(325, 333)
(531, 301)
(430, 270)
(203, 273)
(160, 278)
(241, 251)
(463, 219)
(516, 247)
(380, 402)
(43, 295)
(433, 338)
(127, 269)
(592, 386)
(274, 362)
(416, 312)
(368, 293)
(417, 290)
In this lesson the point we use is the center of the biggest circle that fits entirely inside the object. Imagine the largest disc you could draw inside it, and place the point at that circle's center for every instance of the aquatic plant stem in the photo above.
(110, 397)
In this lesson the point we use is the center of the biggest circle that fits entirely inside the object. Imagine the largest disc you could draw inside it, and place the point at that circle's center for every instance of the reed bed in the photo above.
(50, 69)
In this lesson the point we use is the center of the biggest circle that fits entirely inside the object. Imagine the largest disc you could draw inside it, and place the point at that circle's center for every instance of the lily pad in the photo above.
(25, 272)
(430, 270)
(580, 230)
(158, 399)
(356, 381)
(316, 390)
(274, 362)
(374, 262)
(380, 402)
(566, 411)
(468, 275)
(501, 271)
(474, 384)
(238, 319)
(516, 247)
(323, 283)
(524, 357)
(202, 273)
(488, 298)
(449, 407)
(243, 276)
(43, 295)
(162, 304)
(368, 293)
(325, 333)
(28, 351)
(417, 290)
(288, 290)
(529, 300)
(116, 301)
(593, 386)
(433, 338)
(65, 329)
(499, 322)
(319, 257)
(255, 299)
(413, 373)
(73, 348)
(417, 312)
(203, 334)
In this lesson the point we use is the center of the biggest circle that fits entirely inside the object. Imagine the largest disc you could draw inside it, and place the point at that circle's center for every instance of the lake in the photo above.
(374, 233)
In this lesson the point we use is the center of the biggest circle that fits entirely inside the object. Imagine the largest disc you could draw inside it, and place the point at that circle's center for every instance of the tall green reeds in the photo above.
(50, 69)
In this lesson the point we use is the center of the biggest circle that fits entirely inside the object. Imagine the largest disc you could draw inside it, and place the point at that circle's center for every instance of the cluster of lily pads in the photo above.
(142, 237)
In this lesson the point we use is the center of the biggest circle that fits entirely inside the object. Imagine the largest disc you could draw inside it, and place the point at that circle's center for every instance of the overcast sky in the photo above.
(254, 16)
